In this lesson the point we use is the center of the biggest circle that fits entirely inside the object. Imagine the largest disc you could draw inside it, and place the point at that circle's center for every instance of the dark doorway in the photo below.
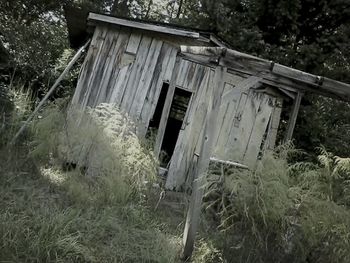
(177, 114)
(155, 121)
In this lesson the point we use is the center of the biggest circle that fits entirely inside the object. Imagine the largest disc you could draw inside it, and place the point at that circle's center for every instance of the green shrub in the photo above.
(15, 107)
(282, 212)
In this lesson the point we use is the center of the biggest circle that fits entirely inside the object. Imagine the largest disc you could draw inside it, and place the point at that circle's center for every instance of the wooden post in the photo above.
(275, 119)
(293, 117)
(207, 141)
(167, 107)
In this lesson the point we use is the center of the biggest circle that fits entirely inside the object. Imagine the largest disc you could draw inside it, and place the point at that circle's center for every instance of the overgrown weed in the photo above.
(101, 144)
(93, 211)
(283, 212)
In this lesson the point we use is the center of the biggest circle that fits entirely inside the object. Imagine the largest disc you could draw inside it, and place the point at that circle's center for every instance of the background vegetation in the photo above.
(55, 210)
(310, 35)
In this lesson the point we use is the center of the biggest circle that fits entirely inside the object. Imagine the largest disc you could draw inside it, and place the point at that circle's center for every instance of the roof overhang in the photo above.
(93, 18)
(272, 73)
(80, 21)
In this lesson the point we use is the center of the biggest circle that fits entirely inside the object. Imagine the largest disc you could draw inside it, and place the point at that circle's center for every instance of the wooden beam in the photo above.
(293, 117)
(217, 41)
(234, 164)
(271, 71)
(167, 107)
(249, 83)
(207, 142)
(143, 26)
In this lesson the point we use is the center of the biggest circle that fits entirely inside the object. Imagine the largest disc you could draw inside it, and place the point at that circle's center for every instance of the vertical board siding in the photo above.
(259, 129)
(135, 74)
(101, 66)
(241, 123)
(128, 68)
(151, 100)
(146, 78)
(91, 59)
(186, 146)
(112, 69)
(124, 70)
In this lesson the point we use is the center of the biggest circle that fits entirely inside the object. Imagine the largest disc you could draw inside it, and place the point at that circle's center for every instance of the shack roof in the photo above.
(272, 73)
(285, 78)
(79, 21)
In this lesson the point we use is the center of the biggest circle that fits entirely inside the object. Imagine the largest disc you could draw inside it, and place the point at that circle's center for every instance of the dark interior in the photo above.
(176, 117)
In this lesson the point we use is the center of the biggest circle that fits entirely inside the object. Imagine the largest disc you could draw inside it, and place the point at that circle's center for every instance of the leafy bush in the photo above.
(15, 107)
(282, 212)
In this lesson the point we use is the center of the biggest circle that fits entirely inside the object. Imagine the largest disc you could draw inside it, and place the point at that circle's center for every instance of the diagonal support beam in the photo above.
(52, 89)
(252, 82)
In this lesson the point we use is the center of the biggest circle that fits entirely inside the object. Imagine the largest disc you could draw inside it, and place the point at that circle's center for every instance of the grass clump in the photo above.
(283, 212)
(101, 145)
(59, 204)
(42, 222)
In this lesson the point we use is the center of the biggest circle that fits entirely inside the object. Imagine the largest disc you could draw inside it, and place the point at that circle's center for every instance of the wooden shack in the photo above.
(169, 80)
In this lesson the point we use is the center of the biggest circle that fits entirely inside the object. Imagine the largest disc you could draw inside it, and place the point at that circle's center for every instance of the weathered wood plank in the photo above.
(274, 125)
(185, 147)
(293, 117)
(249, 83)
(156, 85)
(274, 72)
(133, 45)
(259, 129)
(166, 109)
(135, 74)
(192, 220)
(111, 69)
(226, 123)
(190, 74)
(124, 71)
(198, 122)
(169, 71)
(100, 68)
(182, 73)
(91, 64)
(85, 69)
(145, 79)
(119, 63)
(242, 126)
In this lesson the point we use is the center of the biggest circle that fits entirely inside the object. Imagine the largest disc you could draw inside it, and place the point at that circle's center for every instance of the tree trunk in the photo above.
(150, 3)
(180, 9)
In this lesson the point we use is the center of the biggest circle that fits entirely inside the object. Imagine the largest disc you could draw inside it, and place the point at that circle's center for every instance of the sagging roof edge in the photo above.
(231, 58)
(269, 69)
(159, 27)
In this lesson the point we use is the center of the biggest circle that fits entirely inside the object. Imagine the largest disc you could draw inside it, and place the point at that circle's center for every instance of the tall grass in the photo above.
(15, 107)
(101, 144)
(282, 212)
(92, 211)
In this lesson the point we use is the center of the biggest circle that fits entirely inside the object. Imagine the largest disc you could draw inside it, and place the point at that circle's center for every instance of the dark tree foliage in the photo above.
(310, 35)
